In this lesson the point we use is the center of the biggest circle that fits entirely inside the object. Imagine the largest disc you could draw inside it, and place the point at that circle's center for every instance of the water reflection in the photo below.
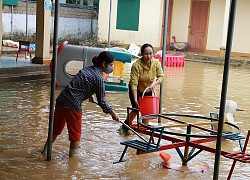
(194, 89)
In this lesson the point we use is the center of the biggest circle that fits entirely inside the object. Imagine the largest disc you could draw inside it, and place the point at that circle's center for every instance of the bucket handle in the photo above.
(145, 92)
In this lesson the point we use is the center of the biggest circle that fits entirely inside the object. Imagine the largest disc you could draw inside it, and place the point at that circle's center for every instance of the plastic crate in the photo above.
(172, 60)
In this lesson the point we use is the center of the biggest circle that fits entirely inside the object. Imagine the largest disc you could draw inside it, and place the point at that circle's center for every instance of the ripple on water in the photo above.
(194, 89)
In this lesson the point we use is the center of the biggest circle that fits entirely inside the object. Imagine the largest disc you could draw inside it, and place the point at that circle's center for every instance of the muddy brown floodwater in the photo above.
(194, 89)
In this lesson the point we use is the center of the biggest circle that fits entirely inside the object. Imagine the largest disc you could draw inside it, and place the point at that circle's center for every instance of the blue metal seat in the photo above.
(233, 138)
(146, 147)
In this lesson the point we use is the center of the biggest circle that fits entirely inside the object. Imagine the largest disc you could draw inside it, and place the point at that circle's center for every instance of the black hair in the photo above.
(104, 56)
(144, 46)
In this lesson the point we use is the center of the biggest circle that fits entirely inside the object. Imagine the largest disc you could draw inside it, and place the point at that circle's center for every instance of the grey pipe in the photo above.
(163, 53)
(27, 4)
(11, 22)
(110, 10)
(53, 81)
(224, 87)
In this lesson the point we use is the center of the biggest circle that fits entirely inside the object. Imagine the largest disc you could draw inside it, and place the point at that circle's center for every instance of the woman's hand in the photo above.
(137, 104)
(92, 99)
(135, 98)
(151, 88)
(114, 116)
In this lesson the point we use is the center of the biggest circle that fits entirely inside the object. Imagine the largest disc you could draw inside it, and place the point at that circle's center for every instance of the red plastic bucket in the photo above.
(149, 104)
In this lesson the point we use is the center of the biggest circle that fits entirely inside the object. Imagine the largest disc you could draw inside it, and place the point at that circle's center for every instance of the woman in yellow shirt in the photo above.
(145, 72)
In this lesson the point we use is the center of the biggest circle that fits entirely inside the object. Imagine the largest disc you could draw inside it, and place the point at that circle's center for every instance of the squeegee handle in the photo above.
(134, 131)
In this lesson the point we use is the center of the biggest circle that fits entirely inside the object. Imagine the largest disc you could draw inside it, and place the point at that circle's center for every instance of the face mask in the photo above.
(108, 69)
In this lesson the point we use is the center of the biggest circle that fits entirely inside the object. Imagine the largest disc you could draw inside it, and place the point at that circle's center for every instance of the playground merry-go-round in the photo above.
(173, 131)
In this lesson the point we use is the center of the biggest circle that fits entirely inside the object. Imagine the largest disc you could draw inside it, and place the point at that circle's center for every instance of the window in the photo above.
(10, 2)
(128, 15)
(82, 2)
(77, 2)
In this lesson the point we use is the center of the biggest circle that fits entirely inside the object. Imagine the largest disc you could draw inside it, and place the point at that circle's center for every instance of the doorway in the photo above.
(198, 25)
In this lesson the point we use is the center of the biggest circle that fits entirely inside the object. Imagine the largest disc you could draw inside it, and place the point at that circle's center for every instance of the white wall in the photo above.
(103, 19)
(215, 25)
(241, 38)
(150, 23)
(67, 26)
(180, 20)
(217, 35)
(150, 27)
(19, 23)
(76, 27)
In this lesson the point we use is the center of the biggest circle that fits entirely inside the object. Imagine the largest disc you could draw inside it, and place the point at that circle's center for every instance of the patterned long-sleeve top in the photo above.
(86, 82)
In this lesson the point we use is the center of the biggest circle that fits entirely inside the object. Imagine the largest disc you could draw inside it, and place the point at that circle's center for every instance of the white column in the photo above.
(1, 32)
(225, 24)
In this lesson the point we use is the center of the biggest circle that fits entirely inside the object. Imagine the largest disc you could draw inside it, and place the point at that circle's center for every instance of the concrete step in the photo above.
(23, 69)
(16, 74)
(24, 76)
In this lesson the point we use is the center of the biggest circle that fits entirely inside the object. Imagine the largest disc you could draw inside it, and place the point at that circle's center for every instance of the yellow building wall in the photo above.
(218, 26)
(241, 39)
(151, 19)
(180, 20)
(150, 24)
(1, 2)
(215, 32)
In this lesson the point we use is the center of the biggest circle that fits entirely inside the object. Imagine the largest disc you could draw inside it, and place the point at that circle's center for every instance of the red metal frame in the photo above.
(239, 156)
(197, 143)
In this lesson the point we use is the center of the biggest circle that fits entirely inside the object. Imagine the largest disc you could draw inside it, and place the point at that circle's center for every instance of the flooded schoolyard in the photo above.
(193, 89)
